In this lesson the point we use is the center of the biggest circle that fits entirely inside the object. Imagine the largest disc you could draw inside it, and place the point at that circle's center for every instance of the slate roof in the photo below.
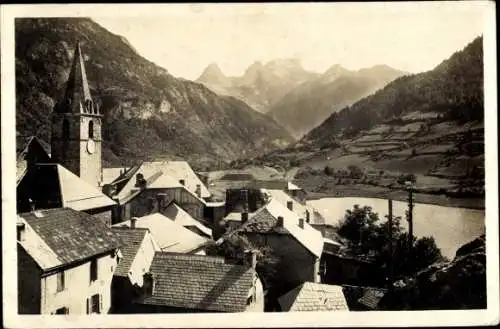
(171, 171)
(265, 220)
(62, 236)
(367, 297)
(200, 283)
(169, 235)
(132, 241)
(23, 144)
(181, 217)
(311, 296)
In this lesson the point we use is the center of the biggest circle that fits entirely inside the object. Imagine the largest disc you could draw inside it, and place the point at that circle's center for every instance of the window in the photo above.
(62, 310)
(65, 129)
(94, 304)
(91, 129)
(93, 270)
(88, 105)
(60, 281)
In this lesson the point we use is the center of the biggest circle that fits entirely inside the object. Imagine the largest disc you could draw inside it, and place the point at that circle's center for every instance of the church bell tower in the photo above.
(76, 126)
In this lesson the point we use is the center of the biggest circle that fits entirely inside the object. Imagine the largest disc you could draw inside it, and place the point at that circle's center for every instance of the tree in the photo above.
(329, 171)
(233, 250)
(366, 234)
(355, 171)
(358, 227)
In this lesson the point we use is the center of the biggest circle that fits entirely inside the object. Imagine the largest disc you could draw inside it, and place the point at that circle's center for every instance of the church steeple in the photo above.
(76, 126)
(77, 98)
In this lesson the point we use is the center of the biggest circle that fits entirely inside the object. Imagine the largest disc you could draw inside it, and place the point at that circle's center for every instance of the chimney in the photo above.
(21, 227)
(308, 218)
(244, 217)
(133, 220)
(289, 205)
(301, 222)
(148, 283)
(108, 189)
(280, 222)
(140, 181)
(250, 258)
(161, 199)
(198, 190)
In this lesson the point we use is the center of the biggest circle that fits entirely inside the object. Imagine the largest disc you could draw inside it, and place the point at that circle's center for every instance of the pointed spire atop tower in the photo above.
(77, 98)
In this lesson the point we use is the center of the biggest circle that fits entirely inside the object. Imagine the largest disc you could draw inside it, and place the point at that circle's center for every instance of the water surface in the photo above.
(451, 227)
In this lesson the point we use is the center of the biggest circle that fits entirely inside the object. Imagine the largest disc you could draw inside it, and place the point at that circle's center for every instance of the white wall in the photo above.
(78, 287)
(142, 261)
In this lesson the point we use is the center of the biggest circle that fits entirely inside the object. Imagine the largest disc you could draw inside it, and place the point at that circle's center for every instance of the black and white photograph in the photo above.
(212, 162)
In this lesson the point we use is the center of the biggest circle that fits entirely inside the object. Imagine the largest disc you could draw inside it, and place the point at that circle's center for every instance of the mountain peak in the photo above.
(336, 69)
(212, 74)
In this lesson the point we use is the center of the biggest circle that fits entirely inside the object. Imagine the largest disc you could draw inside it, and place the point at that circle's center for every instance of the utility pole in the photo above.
(410, 218)
(391, 268)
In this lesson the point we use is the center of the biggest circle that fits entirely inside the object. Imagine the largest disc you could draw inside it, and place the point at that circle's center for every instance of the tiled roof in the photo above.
(265, 221)
(169, 235)
(297, 207)
(181, 217)
(367, 296)
(67, 236)
(178, 170)
(311, 296)
(23, 144)
(371, 298)
(132, 240)
(199, 282)
(155, 179)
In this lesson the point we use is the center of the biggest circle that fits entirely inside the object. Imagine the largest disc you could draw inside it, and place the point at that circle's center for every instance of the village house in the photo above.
(311, 215)
(314, 297)
(66, 261)
(50, 185)
(181, 217)
(180, 283)
(297, 244)
(29, 151)
(146, 189)
(169, 235)
(138, 249)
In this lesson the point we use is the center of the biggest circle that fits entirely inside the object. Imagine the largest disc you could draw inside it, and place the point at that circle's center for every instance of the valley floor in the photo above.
(369, 191)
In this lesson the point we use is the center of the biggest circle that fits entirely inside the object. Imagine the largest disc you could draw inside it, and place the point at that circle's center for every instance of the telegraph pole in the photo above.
(410, 217)
(391, 271)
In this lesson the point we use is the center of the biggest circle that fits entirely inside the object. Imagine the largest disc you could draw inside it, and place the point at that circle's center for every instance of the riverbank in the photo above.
(369, 191)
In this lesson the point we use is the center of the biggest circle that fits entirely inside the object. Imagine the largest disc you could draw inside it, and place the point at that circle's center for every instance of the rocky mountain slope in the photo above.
(429, 124)
(148, 113)
(262, 85)
(310, 103)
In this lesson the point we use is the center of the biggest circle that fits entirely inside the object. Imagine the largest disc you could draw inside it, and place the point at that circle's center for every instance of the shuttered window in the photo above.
(94, 304)
(93, 270)
(60, 281)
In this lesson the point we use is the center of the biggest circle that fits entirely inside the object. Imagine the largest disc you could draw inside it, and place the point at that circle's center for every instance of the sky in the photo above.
(410, 36)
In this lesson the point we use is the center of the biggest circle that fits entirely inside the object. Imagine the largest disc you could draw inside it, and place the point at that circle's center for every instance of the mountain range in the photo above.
(429, 124)
(297, 99)
(148, 113)
(262, 85)
(310, 103)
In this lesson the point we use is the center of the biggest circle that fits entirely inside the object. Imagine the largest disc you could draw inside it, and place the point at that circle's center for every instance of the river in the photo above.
(451, 227)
